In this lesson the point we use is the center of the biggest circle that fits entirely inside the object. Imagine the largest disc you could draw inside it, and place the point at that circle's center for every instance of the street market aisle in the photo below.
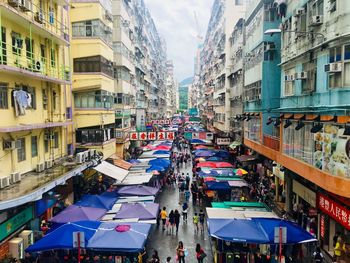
(166, 243)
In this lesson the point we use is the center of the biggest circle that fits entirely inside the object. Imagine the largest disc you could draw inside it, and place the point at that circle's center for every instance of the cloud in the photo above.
(175, 22)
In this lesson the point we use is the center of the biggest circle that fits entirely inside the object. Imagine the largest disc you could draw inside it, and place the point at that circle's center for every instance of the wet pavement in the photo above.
(165, 242)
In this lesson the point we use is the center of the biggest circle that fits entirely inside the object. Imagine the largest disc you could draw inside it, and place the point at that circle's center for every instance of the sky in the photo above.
(175, 22)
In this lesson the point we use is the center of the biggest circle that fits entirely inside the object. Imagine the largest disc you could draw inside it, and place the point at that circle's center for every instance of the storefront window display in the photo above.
(328, 150)
(252, 129)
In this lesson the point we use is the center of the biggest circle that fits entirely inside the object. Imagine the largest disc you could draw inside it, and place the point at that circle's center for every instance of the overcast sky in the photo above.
(175, 22)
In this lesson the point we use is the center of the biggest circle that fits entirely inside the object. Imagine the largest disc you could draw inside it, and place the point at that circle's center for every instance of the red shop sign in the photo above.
(334, 210)
(322, 227)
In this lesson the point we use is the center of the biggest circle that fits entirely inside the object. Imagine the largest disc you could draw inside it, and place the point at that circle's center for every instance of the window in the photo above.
(93, 64)
(309, 84)
(34, 146)
(17, 43)
(42, 51)
(94, 99)
(93, 135)
(56, 140)
(347, 65)
(54, 100)
(29, 48)
(70, 149)
(21, 152)
(317, 8)
(92, 28)
(119, 98)
(53, 57)
(118, 123)
(268, 55)
(289, 82)
(44, 94)
(3, 96)
(30, 91)
(269, 13)
(46, 144)
(332, 6)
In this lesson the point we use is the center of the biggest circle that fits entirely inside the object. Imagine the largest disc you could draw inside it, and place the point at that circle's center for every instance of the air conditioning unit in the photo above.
(16, 247)
(28, 237)
(333, 67)
(12, 145)
(48, 164)
(299, 11)
(109, 16)
(39, 17)
(38, 66)
(4, 182)
(14, 3)
(316, 20)
(301, 75)
(15, 177)
(93, 153)
(40, 167)
(26, 5)
(80, 158)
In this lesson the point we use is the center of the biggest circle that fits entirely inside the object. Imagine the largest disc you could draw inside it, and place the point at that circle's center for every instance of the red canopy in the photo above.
(207, 164)
(162, 147)
(201, 147)
(223, 165)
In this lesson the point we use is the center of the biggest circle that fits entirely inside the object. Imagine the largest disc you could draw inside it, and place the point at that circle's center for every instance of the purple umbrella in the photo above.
(75, 213)
(142, 211)
(140, 190)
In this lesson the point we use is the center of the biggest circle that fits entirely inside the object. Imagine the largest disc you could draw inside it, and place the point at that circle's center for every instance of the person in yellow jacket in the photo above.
(339, 250)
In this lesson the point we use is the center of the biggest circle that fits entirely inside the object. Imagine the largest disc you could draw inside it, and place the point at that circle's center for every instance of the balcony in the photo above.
(17, 61)
(41, 22)
(272, 142)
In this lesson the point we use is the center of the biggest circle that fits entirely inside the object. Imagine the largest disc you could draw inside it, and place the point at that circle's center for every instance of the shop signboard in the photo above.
(305, 193)
(170, 136)
(150, 136)
(143, 136)
(14, 223)
(322, 226)
(210, 136)
(134, 136)
(334, 210)
(161, 122)
(223, 141)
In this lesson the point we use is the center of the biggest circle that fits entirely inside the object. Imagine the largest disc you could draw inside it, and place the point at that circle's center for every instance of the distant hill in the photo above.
(186, 82)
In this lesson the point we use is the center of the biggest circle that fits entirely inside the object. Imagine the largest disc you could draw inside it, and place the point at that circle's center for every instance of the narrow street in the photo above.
(166, 243)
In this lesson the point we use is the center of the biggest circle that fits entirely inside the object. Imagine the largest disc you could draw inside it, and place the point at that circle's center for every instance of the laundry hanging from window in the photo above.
(22, 101)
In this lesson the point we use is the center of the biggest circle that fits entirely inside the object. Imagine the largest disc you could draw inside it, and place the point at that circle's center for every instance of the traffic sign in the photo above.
(78, 239)
(280, 235)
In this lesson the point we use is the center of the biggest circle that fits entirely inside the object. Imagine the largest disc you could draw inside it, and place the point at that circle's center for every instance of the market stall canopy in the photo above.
(159, 152)
(112, 171)
(155, 168)
(240, 171)
(97, 201)
(207, 164)
(136, 179)
(238, 183)
(122, 164)
(75, 213)
(62, 237)
(162, 147)
(228, 213)
(160, 162)
(132, 161)
(205, 153)
(246, 158)
(218, 186)
(215, 164)
(240, 204)
(256, 230)
(135, 199)
(223, 154)
(141, 211)
(151, 155)
(130, 237)
(217, 172)
(138, 190)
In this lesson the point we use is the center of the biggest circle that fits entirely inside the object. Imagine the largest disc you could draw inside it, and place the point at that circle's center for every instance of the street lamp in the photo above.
(279, 31)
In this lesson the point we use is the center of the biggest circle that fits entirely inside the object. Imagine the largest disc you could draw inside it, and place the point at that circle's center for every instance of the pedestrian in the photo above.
(200, 254)
(171, 220)
(158, 217)
(187, 195)
(201, 220)
(180, 252)
(184, 211)
(195, 222)
(188, 179)
(339, 250)
(318, 256)
(163, 216)
(177, 220)
(155, 257)
(168, 260)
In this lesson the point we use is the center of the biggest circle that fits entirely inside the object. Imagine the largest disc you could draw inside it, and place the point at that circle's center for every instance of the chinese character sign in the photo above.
(134, 136)
(334, 210)
(151, 136)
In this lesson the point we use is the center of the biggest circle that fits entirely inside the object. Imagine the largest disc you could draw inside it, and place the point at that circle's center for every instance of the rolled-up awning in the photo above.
(111, 170)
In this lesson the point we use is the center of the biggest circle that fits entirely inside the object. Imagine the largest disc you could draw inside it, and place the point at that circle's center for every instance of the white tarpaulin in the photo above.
(136, 179)
(227, 213)
(112, 171)
(135, 199)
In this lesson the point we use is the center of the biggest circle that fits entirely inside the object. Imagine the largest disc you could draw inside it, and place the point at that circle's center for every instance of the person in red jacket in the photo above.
(200, 254)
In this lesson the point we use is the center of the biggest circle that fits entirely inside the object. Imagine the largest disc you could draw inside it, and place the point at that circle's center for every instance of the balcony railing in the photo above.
(272, 142)
(15, 58)
(38, 16)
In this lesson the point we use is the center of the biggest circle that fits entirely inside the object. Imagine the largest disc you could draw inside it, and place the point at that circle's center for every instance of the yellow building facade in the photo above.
(93, 76)
(35, 85)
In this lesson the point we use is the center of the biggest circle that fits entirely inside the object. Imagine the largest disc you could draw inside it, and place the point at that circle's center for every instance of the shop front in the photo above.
(304, 207)
(280, 190)
(334, 220)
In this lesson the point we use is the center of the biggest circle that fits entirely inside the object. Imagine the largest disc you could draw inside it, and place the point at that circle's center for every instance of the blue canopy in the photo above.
(160, 162)
(215, 159)
(62, 237)
(223, 154)
(256, 230)
(155, 168)
(206, 153)
(161, 152)
(128, 237)
(98, 201)
(134, 161)
(218, 186)
(198, 141)
(236, 230)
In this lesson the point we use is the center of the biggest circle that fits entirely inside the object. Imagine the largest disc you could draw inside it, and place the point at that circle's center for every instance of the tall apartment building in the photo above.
(170, 90)
(93, 75)
(313, 146)
(215, 63)
(36, 127)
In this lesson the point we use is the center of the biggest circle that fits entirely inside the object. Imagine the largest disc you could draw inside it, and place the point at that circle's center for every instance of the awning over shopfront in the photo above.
(256, 230)
(111, 170)
(136, 179)
(228, 213)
